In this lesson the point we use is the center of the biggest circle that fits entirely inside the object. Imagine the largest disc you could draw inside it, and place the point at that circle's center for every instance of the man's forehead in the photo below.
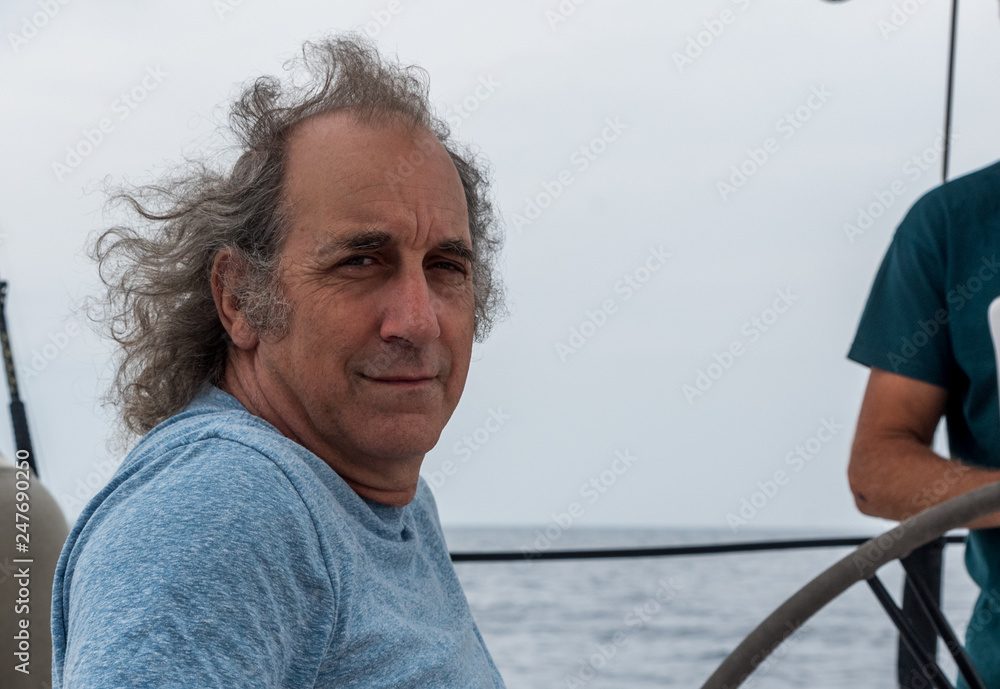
(343, 135)
(342, 179)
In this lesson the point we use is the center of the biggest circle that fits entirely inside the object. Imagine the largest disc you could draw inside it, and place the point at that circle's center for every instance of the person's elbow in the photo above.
(866, 481)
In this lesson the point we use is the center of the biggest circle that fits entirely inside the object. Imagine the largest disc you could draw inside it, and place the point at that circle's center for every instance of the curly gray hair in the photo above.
(159, 306)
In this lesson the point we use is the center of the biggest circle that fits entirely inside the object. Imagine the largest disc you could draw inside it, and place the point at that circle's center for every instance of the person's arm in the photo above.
(893, 471)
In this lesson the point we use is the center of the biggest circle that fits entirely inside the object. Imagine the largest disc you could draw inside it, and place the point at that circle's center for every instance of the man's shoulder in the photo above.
(204, 528)
(211, 458)
(977, 192)
(191, 487)
(212, 414)
(214, 433)
(957, 214)
(985, 178)
(208, 488)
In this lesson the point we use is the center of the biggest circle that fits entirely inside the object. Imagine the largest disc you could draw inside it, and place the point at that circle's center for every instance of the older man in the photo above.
(925, 335)
(296, 332)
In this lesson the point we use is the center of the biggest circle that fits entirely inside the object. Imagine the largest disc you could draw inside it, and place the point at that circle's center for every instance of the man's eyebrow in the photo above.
(372, 240)
(367, 240)
(459, 248)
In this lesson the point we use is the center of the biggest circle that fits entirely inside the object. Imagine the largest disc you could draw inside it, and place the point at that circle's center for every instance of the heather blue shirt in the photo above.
(926, 319)
(222, 554)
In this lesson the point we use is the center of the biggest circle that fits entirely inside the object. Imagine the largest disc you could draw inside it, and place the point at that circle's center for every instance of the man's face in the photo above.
(377, 269)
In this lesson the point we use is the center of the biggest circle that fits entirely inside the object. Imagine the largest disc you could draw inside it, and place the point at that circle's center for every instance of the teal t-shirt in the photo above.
(222, 554)
(926, 318)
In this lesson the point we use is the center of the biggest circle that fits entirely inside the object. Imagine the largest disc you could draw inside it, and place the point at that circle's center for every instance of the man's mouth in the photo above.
(404, 381)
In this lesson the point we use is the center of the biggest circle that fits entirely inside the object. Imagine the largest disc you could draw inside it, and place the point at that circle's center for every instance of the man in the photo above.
(926, 337)
(296, 333)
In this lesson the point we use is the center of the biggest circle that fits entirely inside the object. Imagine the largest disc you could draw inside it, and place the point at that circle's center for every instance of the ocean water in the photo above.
(669, 622)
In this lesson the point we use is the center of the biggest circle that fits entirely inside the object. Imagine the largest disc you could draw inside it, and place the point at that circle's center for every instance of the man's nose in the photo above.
(409, 312)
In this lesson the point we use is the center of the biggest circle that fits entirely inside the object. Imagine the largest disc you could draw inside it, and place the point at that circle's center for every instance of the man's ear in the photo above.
(228, 270)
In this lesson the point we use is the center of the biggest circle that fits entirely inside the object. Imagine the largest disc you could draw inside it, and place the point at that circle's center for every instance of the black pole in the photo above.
(951, 88)
(924, 565)
(18, 417)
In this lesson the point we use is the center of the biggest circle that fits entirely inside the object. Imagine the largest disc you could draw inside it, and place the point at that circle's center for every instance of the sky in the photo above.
(696, 197)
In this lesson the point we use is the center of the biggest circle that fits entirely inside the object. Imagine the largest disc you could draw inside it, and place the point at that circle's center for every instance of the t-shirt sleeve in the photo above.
(208, 575)
(903, 328)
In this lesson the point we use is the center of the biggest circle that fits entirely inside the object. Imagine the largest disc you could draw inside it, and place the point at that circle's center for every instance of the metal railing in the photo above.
(923, 569)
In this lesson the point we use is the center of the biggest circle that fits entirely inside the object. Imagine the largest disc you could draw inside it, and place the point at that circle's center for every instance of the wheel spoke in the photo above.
(948, 635)
(908, 635)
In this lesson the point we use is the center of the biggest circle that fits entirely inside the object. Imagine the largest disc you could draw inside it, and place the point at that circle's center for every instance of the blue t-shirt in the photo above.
(926, 319)
(222, 554)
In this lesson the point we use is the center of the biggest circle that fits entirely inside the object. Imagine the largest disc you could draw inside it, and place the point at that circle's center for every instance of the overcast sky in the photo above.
(666, 307)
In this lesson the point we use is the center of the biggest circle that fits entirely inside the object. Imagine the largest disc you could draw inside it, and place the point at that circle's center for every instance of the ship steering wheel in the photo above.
(862, 564)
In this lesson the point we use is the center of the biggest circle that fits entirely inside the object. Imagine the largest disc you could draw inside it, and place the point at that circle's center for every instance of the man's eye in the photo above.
(358, 261)
(449, 266)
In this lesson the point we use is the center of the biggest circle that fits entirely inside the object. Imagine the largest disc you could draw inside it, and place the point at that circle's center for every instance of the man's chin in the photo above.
(399, 440)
